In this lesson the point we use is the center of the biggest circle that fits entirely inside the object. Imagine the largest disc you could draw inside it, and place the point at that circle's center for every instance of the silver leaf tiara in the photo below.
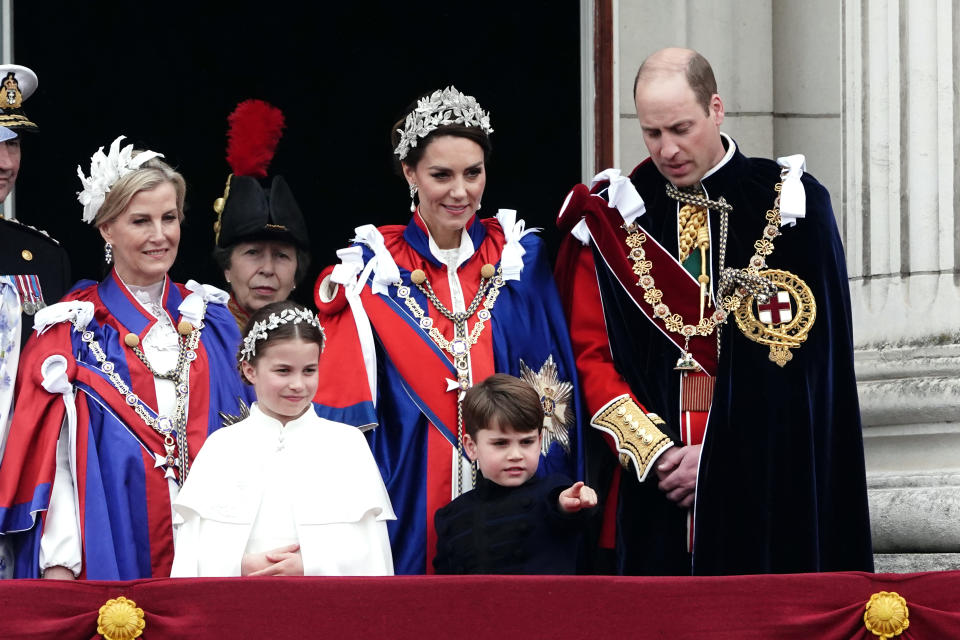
(440, 108)
(261, 329)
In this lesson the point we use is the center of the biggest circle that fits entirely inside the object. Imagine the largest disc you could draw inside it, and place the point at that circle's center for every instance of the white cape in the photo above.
(330, 481)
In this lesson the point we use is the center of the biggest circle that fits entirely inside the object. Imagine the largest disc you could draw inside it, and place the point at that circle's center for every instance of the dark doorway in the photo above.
(167, 74)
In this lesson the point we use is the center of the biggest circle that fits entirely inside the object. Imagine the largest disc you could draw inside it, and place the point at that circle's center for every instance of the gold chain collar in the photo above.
(738, 286)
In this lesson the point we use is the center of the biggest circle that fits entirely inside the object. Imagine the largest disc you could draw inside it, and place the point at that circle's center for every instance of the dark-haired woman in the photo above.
(417, 313)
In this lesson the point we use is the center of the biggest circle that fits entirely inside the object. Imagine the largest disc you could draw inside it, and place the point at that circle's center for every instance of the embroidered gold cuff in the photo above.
(637, 434)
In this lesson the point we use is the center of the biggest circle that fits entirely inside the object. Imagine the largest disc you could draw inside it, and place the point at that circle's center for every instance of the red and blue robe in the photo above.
(414, 413)
(124, 499)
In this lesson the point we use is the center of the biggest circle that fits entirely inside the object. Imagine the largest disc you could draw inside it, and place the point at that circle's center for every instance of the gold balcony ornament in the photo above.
(887, 615)
(120, 619)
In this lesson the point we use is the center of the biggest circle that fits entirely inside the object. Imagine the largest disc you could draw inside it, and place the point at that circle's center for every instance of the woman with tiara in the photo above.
(417, 313)
(117, 391)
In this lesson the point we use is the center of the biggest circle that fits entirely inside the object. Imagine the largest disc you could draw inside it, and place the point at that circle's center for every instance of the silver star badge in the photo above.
(555, 395)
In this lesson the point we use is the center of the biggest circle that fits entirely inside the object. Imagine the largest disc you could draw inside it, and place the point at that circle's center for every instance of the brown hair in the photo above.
(697, 71)
(286, 331)
(150, 175)
(509, 401)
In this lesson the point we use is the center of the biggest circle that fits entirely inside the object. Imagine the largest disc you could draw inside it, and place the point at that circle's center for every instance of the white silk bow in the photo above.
(511, 260)
(793, 199)
(621, 194)
(385, 270)
(192, 306)
(77, 312)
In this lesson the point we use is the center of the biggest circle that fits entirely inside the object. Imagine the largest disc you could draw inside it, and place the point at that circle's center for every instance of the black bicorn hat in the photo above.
(247, 211)
(17, 83)
(250, 212)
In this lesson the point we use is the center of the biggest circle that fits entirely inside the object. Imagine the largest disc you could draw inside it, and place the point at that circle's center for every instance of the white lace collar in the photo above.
(450, 257)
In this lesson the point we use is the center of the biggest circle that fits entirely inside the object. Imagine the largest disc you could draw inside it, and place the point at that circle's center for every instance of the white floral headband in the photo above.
(261, 329)
(438, 109)
(105, 170)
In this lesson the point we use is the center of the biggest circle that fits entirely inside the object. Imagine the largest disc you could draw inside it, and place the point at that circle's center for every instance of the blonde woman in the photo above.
(118, 389)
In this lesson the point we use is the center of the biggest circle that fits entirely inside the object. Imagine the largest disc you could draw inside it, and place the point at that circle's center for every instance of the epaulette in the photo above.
(32, 229)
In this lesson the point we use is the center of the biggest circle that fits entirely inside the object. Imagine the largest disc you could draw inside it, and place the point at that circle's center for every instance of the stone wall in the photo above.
(900, 190)
(781, 89)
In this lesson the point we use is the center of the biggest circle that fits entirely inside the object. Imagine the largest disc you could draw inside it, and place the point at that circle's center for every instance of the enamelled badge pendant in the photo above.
(686, 362)
(781, 321)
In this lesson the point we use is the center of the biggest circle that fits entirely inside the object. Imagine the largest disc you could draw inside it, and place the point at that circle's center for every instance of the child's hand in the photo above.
(285, 563)
(58, 573)
(577, 497)
(257, 563)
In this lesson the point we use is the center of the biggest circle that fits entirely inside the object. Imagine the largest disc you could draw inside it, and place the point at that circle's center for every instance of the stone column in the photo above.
(735, 36)
(777, 66)
(901, 226)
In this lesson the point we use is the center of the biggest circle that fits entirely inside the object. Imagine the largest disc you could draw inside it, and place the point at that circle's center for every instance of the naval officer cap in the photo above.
(18, 84)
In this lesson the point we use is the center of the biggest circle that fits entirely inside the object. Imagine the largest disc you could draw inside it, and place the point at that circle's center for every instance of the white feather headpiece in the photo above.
(105, 170)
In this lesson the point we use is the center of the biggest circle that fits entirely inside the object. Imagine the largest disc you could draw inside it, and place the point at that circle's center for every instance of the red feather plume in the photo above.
(254, 130)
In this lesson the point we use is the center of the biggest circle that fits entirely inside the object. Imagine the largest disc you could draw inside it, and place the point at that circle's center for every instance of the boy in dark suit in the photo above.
(514, 521)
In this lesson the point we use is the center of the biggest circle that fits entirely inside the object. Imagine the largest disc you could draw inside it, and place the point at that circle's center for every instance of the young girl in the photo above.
(283, 492)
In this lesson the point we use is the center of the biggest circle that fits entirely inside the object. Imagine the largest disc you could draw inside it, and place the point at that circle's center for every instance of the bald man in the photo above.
(713, 339)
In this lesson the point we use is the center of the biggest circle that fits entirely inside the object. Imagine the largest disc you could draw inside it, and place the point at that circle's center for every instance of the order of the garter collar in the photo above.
(441, 108)
(261, 329)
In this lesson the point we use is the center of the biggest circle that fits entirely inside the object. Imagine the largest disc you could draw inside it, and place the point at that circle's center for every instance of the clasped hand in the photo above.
(282, 561)
(677, 472)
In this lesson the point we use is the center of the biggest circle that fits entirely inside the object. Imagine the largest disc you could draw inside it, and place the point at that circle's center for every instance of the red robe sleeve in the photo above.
(612, 405)
(29, 460)
(343, 389)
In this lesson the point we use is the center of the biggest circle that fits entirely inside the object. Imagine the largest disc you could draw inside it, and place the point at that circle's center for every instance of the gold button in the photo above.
(417, 276)
(131, 340)
(184, 328)
(487, 271)
(27, 254)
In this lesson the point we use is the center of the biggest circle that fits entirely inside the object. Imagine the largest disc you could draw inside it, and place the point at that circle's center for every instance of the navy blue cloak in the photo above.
(781, 485)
